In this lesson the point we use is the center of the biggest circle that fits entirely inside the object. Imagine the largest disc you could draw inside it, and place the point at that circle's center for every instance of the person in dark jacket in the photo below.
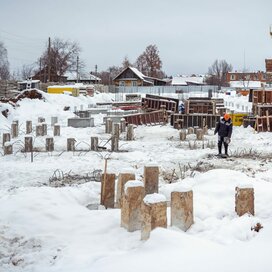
(224, 130)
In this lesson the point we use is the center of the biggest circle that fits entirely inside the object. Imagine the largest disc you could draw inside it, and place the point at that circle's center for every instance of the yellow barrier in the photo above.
(62, 89)
(237, 118)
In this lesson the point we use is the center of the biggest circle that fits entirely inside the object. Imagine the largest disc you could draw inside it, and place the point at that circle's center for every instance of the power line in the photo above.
(21, 36)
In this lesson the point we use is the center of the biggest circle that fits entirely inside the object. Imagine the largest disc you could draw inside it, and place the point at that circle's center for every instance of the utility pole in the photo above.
(41, 69)
(77, 70)
(49, 60)
(95, 73)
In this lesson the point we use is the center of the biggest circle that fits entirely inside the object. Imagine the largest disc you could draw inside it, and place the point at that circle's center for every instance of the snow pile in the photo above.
(50, 229)
(154, 198)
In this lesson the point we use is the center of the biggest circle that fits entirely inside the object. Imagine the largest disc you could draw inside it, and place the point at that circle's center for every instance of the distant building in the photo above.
(187, 80)
(246, 76)
(246, 80)
(43, 76)
(82, 78)
(131, 76)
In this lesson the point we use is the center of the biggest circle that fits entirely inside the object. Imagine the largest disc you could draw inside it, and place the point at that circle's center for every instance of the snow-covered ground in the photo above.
(45, 228)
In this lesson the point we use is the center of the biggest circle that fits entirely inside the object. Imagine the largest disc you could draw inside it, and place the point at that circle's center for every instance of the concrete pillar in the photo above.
(107, 190)
(108, 125)
(151, 179)
(94, 143)
(28, 127)
(49, 144)
(41, 120)
(199, 134)
(182, 135)
(195, 129)
(6, 138)
(130, 132)
(39, 130)
(16, 122)
(44, 129)
(14, 130)
(56, 130)
(244, 201)
(123, 125)
(8, 148)
(114, 143)
(182, 214)
(81, 107)
(131, 205)
(71, 144)
(154, 214)
(28, 144)
(190, 130)
(122, 179)
(116, 130)
(54, 120)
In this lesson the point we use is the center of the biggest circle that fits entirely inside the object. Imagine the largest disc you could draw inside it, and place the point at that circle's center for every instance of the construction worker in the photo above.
(224, 130)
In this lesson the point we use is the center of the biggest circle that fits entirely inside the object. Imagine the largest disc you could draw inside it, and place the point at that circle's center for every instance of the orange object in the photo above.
(226, 116)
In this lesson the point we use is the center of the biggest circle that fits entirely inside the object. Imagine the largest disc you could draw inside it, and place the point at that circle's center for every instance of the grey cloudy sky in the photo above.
(190, 35)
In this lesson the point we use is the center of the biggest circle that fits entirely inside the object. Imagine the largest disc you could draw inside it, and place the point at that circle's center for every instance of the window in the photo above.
(134, 83)
(121, 83)
(232, 77)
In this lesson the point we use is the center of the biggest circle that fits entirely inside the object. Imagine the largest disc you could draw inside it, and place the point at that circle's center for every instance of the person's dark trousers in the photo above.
(220, 142)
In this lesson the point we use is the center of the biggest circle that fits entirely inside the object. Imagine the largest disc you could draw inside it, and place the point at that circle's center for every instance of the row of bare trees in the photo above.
(62, 56)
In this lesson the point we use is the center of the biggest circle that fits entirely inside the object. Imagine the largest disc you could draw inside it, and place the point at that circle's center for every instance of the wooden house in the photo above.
(131, 76)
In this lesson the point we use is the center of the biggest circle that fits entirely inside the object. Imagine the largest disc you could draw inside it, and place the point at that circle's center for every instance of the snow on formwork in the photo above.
(43, 228)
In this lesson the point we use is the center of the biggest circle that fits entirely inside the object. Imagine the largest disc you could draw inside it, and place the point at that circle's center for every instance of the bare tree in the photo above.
(27, 71)
(126, 63)
(60, 57)
(109, 74)
(4, 64)
(149, 62)
(217, 73)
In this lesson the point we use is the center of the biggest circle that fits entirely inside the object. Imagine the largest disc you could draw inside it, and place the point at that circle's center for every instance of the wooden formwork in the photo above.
(149, 118)
(262, 97)
(263, 123)
(261, 110)
(193, 120)
(156, 104)
(249, 121)
(200, 106)
(165, 98)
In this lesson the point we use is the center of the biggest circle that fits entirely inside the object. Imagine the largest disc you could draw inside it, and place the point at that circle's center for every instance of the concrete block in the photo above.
(81, 122)
(131, 205)
(182, 215)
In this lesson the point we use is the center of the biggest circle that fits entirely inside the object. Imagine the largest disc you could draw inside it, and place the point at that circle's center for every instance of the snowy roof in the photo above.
(84, 76)
(29, 81)
(137, 73)
(246, 84)
(183, 80)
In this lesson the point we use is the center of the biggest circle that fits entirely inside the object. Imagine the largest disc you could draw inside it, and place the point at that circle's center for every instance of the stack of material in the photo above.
(262, 108)
(149, 118)
(262, 102)
(196, 105)
(155, 102)
(180, 121)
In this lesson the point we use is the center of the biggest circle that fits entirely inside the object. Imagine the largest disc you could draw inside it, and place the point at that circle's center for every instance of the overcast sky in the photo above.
(190, 35)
